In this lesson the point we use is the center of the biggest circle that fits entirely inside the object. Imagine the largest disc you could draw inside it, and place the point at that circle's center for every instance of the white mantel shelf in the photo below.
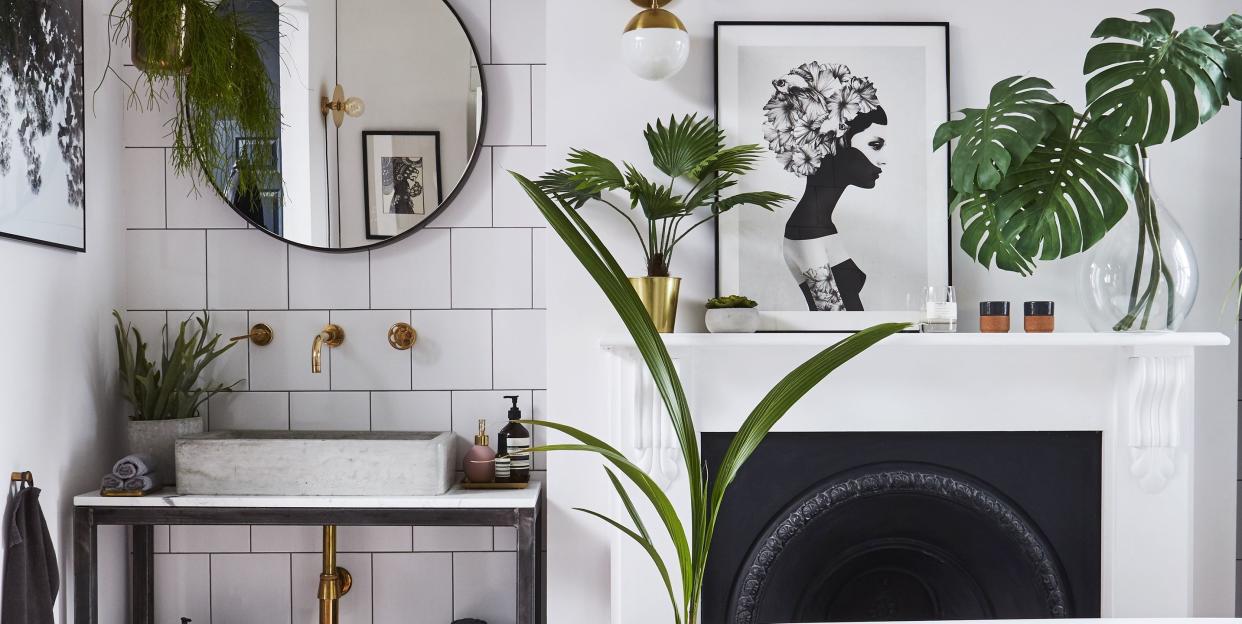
(1137, 391)
(1012, 339)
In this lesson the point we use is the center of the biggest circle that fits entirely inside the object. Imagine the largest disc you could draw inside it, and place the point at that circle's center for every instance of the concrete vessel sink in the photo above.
(316, 463)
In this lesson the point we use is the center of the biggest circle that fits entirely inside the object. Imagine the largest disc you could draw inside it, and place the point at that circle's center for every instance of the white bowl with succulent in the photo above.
(732, 314)
(164, 399)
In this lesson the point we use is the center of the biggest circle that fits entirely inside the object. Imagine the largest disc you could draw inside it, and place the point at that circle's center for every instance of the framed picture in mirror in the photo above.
(401, 179)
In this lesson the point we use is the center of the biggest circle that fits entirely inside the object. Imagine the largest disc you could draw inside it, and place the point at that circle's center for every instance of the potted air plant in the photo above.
(164, 399)
(732, 314)
(692, 153)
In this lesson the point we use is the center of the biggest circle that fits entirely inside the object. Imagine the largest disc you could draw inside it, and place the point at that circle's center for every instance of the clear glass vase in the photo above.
(1143, 276)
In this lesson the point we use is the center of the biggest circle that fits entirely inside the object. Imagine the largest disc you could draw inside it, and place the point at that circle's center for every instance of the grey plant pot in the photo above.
(732, 320)
(157, 438)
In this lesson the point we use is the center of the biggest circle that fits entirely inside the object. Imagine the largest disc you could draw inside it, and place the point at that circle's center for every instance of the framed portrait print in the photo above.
(400, 179)
(42, 124)
(846, 113)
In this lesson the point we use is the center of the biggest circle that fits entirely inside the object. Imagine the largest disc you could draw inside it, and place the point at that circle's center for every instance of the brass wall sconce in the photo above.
(655, 44)
(340, 106)
(331, 335)
(402, 336)
(261, 335)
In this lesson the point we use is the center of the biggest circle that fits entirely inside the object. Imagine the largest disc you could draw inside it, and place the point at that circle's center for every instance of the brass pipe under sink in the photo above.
(334, 581)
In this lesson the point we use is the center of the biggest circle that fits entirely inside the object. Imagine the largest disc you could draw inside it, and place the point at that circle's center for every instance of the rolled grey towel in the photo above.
(112, 482)
(142, 483)
(134, 465)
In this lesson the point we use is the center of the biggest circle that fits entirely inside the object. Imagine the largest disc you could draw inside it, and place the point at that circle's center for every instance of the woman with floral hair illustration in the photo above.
(825, 125)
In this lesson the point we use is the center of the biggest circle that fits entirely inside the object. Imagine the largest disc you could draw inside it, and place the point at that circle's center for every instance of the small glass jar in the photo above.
(1038, 317)
(994, 317)
(939, 310)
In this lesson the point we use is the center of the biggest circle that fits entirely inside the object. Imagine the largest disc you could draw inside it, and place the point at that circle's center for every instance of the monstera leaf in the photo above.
(1228, 36)
(1062, 199)
(1001, 136)
(1135, 77)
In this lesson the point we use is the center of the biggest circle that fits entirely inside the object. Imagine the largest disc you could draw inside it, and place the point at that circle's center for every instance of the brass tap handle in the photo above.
(261, 335)
(331, 335)
(401, 336)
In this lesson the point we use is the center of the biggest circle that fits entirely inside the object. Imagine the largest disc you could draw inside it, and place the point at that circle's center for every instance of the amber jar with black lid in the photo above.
(994, 317)
(1038, 317)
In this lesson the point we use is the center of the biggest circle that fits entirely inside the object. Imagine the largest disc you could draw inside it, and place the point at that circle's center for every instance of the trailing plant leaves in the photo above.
(1063, 199)
(1228, 35)
(680, 147)
(1147, 77)
(992, 140)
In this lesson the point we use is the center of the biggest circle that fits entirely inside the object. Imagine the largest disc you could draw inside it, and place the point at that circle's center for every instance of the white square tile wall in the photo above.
(471, 283)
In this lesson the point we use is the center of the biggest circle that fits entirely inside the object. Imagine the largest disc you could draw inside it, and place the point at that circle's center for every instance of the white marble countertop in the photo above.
(455, 498)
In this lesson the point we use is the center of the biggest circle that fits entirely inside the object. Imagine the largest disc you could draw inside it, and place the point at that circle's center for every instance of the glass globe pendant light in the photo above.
(655, 44)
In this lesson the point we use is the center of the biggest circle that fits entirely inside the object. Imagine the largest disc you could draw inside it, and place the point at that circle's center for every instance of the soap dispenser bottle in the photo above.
(478, 464)
(514, 442)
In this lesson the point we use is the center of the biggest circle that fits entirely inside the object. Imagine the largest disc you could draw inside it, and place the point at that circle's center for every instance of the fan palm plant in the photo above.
(691, 152)
(1036, 180)
(683, 574)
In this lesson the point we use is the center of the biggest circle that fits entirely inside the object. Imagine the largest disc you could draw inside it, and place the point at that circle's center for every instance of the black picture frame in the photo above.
(80, 101)
(366, 177)
(716, 79)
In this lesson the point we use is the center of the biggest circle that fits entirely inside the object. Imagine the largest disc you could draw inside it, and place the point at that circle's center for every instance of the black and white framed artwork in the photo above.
(401, 179)
(42, 125)
(846, 112)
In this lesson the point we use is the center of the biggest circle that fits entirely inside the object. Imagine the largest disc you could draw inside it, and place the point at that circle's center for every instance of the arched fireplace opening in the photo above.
(823, 527)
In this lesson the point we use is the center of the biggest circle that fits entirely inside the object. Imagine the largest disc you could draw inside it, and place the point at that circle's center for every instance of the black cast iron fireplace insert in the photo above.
(908, 526)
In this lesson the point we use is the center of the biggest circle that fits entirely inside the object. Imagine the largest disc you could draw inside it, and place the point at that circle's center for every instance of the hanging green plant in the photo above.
(204, 66)
(1035, 180)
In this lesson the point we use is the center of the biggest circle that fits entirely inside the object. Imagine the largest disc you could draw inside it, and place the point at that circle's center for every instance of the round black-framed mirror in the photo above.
(369, 150)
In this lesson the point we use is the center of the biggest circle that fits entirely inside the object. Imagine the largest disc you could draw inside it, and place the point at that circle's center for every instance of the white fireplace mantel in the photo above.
(1136, 389)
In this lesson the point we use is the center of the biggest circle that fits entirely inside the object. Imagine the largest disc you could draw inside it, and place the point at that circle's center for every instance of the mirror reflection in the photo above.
(381, 105)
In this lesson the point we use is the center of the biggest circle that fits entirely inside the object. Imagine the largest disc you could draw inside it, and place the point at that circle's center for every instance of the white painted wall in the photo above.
(60, 417)
(593, 102)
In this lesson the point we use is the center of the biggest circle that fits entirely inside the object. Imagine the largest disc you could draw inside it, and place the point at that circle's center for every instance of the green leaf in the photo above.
(768, 200)
(593, 172)
(994, 139)
(680, 147)
(607, 274)
(1228, 35)
(983, 238)
(646, 544)
(1071, 190)
(785, 394)
(656, 200)
(1147, 77)
(736, 160)
(707, 191)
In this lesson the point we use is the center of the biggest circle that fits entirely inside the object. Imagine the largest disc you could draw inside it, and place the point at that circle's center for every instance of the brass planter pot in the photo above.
(659, 296)
(170, 55)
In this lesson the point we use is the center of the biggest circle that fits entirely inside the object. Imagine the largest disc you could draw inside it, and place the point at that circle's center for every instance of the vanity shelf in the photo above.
(457, 507)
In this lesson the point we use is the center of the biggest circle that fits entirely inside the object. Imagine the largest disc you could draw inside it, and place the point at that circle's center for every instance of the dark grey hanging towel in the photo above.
(31, 578)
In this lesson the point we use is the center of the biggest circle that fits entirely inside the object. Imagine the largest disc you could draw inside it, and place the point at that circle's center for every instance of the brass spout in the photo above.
(332, 335)
(334, 581)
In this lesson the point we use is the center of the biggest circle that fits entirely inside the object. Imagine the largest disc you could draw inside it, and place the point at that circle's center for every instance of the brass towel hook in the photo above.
(26, 477)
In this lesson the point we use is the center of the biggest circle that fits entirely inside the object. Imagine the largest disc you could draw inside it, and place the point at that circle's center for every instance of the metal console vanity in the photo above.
(458, 507)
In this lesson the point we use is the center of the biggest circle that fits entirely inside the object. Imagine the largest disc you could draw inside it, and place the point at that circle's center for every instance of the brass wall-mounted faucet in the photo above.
(331, 335)
(334, 581)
